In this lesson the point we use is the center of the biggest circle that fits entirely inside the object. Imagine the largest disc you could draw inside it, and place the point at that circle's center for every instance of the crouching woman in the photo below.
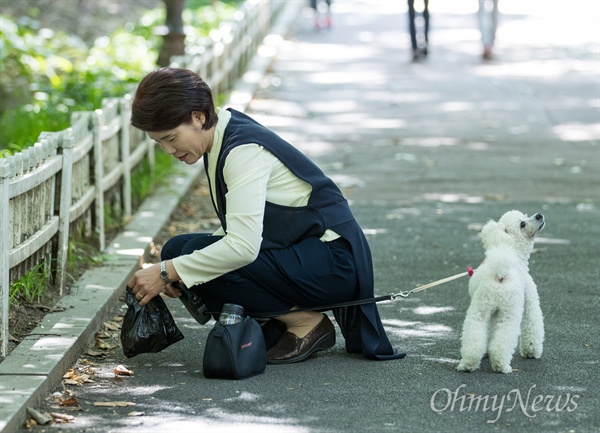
(288, 239)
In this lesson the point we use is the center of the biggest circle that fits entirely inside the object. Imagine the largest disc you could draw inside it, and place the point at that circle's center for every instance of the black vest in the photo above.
(326, 209)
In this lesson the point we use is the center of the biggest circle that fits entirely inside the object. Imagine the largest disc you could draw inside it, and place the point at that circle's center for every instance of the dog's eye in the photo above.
(523, 224)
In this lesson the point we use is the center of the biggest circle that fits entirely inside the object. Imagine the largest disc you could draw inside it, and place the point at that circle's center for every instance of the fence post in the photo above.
(5, 173)
(125, 152)
(98, 176)
(64, 212)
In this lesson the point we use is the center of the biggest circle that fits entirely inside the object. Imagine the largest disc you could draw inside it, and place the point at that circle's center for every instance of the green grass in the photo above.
(144, 182)
(31, 287)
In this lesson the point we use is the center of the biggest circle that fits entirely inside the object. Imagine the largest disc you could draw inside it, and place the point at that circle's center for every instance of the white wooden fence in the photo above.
(63, 186)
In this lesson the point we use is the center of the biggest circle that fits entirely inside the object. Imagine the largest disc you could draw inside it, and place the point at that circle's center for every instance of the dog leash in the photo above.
(407, 293)
(390, 297)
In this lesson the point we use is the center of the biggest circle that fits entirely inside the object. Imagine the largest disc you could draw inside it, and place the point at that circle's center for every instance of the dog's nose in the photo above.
(539, 216)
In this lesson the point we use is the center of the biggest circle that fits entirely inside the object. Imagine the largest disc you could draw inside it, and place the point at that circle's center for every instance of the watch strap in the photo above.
(163, 272)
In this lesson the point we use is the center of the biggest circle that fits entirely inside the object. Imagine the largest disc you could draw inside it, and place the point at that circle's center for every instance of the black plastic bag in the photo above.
(147, 329)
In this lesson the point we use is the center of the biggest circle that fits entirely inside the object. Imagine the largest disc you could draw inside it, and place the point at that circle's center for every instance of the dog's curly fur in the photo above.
(504, 299)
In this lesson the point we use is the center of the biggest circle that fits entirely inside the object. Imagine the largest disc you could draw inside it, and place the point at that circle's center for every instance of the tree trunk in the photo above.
(174, 37)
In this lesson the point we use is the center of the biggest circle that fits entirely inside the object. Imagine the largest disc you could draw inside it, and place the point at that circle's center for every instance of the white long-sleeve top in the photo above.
(253, 175)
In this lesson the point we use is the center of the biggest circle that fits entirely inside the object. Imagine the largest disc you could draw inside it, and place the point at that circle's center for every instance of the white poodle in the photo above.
(504, 298)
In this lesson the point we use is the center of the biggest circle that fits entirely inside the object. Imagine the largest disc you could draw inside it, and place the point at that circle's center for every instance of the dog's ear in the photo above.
(493, 233)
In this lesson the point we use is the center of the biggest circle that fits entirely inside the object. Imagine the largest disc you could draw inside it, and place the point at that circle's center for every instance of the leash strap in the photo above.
(390, 297)
(405, 294)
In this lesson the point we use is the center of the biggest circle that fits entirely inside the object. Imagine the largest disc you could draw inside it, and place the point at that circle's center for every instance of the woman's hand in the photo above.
(147, 283)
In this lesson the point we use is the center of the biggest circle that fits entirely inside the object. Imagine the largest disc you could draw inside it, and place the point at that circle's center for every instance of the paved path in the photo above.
(427, 153)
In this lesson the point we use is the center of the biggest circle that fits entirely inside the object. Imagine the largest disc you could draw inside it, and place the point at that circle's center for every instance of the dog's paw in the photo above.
(501, 367)
(466, 366)
(530, 353)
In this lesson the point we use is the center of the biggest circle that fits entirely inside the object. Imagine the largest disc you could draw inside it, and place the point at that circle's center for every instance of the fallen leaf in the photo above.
(112, 326)
(96, 353)
(103, 345)
(62, 418)
(71, 401)
(113, 403)
(75, 378)
(79, 375)
(122, 371)
(30, 423)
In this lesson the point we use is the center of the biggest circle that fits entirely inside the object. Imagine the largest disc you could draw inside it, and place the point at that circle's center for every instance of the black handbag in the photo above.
(235, 351)
(147, 329)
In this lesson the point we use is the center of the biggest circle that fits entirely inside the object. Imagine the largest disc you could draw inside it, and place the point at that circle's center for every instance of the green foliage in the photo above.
(198, 4)
(144, 182)
(81, 255)
(54, 85)
(31, 286)
(26, 56)
(45, 74)
(18, 126)
(201, 17)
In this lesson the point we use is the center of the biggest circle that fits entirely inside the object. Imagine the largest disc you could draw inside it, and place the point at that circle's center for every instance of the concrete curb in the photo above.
(36, 366)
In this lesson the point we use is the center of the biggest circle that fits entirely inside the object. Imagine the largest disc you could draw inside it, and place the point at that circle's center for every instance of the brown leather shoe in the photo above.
(291, 349)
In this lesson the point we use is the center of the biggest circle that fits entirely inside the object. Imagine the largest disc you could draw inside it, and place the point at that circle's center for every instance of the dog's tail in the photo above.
(500, 264)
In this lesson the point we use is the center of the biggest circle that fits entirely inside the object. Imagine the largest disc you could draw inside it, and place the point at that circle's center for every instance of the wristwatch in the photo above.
(163, 272)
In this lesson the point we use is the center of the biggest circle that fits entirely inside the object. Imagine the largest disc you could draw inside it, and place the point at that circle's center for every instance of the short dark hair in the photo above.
(166, 98)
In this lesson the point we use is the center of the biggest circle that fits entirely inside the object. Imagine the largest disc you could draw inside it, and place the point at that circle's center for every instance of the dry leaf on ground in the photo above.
(79, 375)
(121, 370)
(113, 403)
(61, 417)
(112, 325)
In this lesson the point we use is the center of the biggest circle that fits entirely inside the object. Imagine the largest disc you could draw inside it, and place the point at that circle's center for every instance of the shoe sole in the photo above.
(323, 343)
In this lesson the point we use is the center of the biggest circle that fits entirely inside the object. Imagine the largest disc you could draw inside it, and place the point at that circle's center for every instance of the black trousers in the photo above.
(307, 274)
